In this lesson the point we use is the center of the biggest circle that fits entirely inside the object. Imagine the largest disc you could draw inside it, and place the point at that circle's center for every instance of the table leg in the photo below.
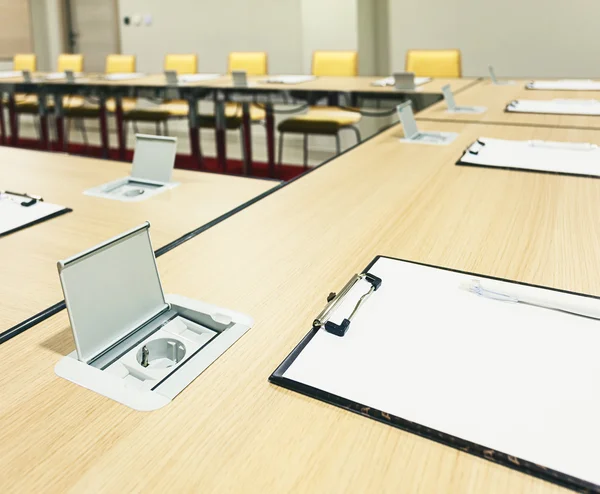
(195, 149)
(13, 119)
(220, 132)
(270, 125)
(120, 130)
(59, 119)
(104, 128)
(2, 122)
(247, 132)
(43, 113)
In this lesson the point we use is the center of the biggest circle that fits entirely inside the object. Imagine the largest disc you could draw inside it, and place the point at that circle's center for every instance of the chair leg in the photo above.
(280, 159)
(166, 127)
(158, 128)
(338, 145)
(305, 151)
(37, 126)
(357, 132)
(83, 131)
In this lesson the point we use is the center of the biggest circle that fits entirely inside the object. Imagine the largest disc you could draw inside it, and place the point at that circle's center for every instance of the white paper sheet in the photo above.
(566, 85)
(197, 77)
(9, 74)
(575, 158)
(556, 106)
(289, 79)
(13, 215)
(511, 377)
(389, 81)
(123, 76)
(59, 75)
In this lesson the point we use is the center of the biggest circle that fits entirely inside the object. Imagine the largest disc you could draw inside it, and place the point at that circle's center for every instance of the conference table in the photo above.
(496, 97)
(232, 431)
(351, 92)
(28, 271)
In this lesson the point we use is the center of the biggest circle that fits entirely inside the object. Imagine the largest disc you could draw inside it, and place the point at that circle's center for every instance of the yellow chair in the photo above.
(25, 61)
(70, 61)
(181, 64)
(434, 63)
(115, 64)
(325, 120)
(254, 64)
(120, 64)
(66, 61)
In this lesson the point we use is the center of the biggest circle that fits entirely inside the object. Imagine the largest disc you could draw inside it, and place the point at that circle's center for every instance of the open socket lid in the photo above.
(111, 290)
(154, 158)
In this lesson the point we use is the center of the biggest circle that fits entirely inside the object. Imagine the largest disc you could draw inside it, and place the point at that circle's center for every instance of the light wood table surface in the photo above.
(230, 430)
(30, 281)
(495, 98)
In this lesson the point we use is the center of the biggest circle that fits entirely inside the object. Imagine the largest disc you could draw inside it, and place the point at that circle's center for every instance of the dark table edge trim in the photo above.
(59, 306)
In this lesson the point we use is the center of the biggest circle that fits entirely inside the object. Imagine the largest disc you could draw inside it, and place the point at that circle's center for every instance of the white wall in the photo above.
(327, 25)
(212, 29)
(521, 38)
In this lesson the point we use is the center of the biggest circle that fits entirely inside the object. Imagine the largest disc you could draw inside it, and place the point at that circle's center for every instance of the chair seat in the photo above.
(175, 108)
(208, 121)
(128, 104)
(147, 115)
(257, 114)
(320, 120)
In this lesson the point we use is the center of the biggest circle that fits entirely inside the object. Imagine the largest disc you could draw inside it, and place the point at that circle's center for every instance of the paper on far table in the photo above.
(556, 106)
(573, 158)
(566, 85)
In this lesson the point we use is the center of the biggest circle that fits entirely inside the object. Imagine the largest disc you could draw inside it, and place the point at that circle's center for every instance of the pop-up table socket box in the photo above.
(153, 162)
(134, 344)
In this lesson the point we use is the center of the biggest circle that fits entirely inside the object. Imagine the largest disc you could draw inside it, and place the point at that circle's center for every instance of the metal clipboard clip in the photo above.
(29, 199)
(334, 299)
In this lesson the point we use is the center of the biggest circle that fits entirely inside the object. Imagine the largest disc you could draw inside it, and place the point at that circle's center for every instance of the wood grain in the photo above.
(28, 270)
(230, 430)
(495, 98)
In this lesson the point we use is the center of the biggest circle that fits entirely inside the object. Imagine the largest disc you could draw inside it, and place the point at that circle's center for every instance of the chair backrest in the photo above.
(25, 61)
(253, 63)
(434, 63)
(120, 64)
(182, 64)
(335, 63)
(69, 61)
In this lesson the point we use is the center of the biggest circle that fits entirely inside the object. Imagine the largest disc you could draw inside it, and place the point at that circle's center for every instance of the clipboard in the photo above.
(577, 159)
(20, 210)
(321, 378)
(574, 107)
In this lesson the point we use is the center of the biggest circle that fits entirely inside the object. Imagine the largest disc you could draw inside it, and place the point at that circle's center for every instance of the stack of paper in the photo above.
(571, 158)
(289, 79)
(197, 77)
(556, 106)
(14, 216)
(59, 75)
(389, 81)
(123, 76)
(9, 74)
(566, 85)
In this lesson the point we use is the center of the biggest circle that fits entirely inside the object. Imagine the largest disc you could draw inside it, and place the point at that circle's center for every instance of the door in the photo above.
(93, 30)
